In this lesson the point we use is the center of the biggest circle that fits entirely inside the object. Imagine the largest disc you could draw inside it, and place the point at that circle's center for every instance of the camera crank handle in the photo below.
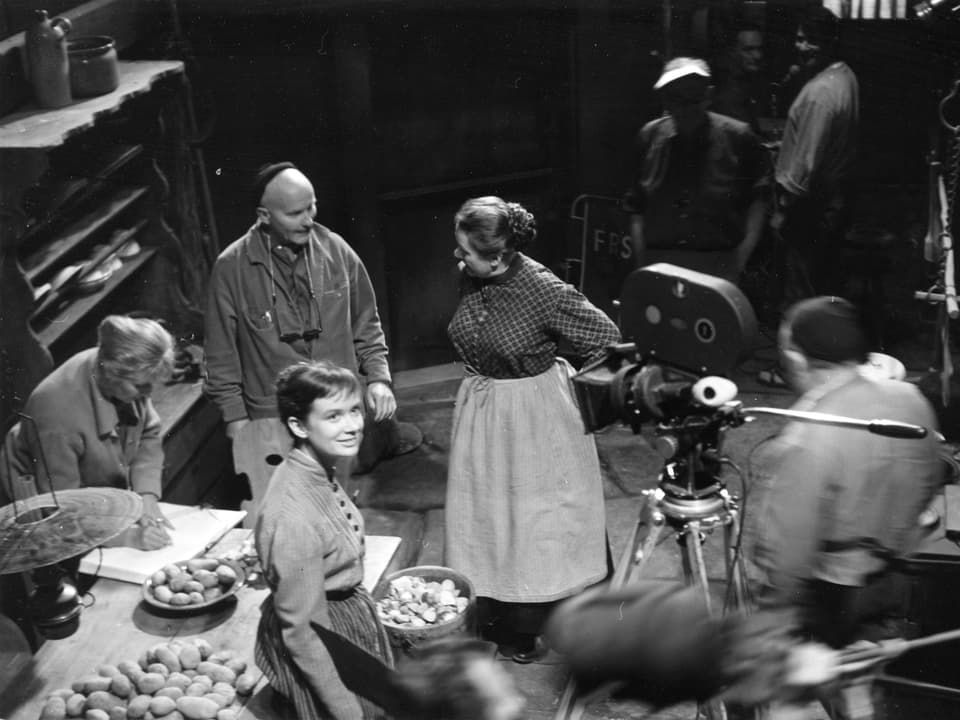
(887, 428)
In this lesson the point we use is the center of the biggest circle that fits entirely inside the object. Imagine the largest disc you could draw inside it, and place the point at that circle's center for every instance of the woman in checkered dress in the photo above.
(525, 512)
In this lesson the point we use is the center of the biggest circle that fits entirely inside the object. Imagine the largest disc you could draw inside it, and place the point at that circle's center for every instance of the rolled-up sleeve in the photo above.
(369, 342)
(223, 382)
(146, 469)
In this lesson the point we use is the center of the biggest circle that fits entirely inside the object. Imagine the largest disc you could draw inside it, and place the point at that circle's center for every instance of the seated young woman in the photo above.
(310, 538)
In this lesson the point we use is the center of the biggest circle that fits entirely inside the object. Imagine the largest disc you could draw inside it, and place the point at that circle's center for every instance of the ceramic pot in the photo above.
(93, 66)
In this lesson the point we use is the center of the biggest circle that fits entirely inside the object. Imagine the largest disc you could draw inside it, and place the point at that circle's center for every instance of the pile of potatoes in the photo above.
(178, 680)
(413, 601)
(200, 580)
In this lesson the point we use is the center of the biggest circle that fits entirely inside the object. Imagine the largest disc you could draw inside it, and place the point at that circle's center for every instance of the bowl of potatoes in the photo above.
(193, 584)
(426, 602)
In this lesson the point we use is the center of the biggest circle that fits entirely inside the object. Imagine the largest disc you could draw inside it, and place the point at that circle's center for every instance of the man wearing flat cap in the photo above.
(843, 502)
(291, 290)
(698, 199)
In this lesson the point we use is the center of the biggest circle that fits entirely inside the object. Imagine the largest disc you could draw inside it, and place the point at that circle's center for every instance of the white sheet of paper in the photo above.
(380, 550)
(195, 531)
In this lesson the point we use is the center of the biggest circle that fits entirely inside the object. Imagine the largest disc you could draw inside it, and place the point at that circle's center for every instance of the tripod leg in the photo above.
(641, 544)
(695, 573)
(736, 575)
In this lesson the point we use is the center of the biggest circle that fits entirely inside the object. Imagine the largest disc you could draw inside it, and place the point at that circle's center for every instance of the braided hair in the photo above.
(495, 226)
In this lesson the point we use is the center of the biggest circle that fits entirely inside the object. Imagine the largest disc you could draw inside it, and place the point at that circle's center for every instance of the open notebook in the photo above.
(195, 531)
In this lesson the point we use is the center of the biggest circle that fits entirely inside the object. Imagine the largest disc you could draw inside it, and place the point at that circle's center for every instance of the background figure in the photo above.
(310, 539)
(524, 512)
(292, 290)
(741, 90)
(457, 679)
(815, 164)
(843, 502)
(698, 199)
(92, 424)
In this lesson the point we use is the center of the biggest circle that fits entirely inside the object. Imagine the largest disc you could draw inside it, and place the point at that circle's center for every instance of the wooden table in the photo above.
(118, 627)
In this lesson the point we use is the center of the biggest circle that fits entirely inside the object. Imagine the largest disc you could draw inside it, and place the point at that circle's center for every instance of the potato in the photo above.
(163, 593)
(205, 648)
(178, 680)
(130, 669)
(107, 670)
(138, 706)
(96, 714)
(173, 692)
(217, 673)
(89, 683)
(221, 656)
(102, 700)
(196, 690)
(245, 683)
(65, 693)
(227, 714)
(162, 705)
(172, 570)
(150, 683)
(197, 708)
(179, 582)
(76, 704)
(118, 712)
(180, 598)
(237, 665)
(175, 715)
(144, 660)
(196, 598)
(212, 593)
(158, 578)
(158, 667)
(192, 586)
(55, 708)
(219, 699)
(169, 658)
(207, 578)
(189, 656)
(204, 563)
(191, 673)
(121, 686)
(227, 690)
(203, 680)
(226, 574)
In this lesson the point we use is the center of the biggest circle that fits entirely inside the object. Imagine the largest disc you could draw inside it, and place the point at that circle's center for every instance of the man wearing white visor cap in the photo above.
(698, 199)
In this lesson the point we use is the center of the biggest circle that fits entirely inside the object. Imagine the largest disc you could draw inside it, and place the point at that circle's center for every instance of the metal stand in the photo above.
(692, 501)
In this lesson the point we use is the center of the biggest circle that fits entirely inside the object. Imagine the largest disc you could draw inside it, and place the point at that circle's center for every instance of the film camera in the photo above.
(685, 332)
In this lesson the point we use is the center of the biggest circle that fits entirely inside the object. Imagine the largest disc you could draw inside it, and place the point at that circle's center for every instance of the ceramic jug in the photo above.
(47, 65)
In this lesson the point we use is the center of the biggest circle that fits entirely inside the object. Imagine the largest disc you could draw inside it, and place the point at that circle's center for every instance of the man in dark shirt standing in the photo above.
(698, 199)
(741, 92)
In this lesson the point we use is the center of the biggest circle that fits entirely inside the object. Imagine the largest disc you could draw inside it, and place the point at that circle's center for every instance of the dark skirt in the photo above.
(355, 618)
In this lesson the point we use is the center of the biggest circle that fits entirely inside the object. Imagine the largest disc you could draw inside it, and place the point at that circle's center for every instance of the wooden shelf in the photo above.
(45, 259)
(81, 186)
(60, 323)
(37, 129)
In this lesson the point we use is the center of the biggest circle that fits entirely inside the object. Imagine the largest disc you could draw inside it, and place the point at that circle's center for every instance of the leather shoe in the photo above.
(534, 653)
(409, 438)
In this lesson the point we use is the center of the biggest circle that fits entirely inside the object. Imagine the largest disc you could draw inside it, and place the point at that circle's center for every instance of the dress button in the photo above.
(349, 516)
(343, 503)
(357, 528)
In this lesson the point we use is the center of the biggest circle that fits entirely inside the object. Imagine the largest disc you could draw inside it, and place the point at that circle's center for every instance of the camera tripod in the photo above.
(692, 501)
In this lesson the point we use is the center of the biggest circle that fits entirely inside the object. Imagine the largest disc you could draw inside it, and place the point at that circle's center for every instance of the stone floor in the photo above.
(405, 497)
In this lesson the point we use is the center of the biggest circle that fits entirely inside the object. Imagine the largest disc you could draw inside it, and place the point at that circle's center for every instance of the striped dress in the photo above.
(309, 536)
(525, 513)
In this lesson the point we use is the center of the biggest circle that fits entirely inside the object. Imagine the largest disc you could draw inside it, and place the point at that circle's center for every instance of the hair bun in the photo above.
(523, 226)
